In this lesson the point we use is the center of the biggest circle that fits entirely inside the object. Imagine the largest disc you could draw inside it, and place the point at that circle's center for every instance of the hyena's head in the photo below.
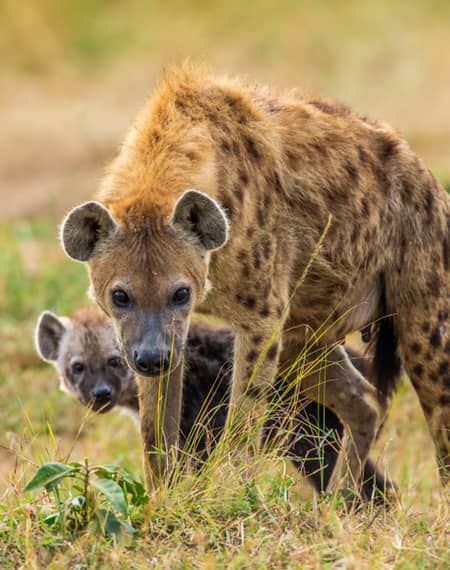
(85, 352)
(148, 273)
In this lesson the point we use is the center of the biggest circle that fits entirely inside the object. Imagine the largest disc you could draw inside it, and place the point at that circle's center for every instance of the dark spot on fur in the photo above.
(435, 338)
(242, 255)
(250, 232)
(256, 256)
(388, 147)
(279, 310)
(251, 148)
(355, 234)
(428, 356)
(425, 327)
(243, 177)
(266, 246)
(446, 381)
(446, 254)
(416, 348)
(260, 216)
(428, 410)
(443, 367)
(265, 311)
(363, 154)
(365, 207)
(225, 146)
(418, 370)
(257, 338)
(434, 285)
(443, 316)
(434, 377)
(272, 352)
(444, 400)
(429, 201)
(277, 184)
(251, 356)
(352, 172)
(245, 270)
(238, 192)
(447, 347)
(227, 205)
(250, 302)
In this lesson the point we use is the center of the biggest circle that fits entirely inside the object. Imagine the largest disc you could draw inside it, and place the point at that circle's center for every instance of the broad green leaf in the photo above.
(113, 493)
(110, 524)
(49, 474)
(108, 471)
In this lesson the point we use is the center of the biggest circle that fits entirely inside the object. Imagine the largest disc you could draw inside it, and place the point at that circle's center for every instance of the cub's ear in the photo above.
(202, 219)
(84, 228)
(48, 335)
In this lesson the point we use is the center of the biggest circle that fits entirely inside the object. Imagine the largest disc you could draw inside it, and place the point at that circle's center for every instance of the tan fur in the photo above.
(281, 165)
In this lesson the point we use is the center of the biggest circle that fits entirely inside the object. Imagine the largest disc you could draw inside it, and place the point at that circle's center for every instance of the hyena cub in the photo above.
(84, 350)
(86, 355)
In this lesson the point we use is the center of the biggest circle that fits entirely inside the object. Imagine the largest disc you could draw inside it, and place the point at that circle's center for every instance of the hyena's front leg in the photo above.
(160, 402)
(256, 360)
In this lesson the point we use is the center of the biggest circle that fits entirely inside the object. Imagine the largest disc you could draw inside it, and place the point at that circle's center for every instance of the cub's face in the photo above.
(85, 352)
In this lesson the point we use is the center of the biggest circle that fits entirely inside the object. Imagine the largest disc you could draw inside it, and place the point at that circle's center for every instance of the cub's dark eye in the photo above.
(181, 296)
(114, 362)
(120, 298)
(77, 367)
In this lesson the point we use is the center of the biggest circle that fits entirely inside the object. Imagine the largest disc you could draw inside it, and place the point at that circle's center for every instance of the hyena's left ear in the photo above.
(84, 229)
(201, 219)
(48, 335)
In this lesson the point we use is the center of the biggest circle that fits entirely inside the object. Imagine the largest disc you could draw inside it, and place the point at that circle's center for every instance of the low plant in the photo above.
(98, 497)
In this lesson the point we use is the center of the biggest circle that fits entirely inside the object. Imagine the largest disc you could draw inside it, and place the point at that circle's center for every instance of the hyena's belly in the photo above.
(331, 317)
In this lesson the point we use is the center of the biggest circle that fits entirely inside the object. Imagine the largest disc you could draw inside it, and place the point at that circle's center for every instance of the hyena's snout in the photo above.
(101, 397)
(151, 362)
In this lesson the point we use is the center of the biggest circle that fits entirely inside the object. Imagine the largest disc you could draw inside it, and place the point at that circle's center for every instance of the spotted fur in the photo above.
(276, 174)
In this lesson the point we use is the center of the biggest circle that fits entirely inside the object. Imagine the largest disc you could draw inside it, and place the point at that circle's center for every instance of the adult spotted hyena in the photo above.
(84, 350)
(219, 198)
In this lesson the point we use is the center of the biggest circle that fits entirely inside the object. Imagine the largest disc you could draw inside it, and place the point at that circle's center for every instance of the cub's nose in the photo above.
(151, 363)
(102, 393)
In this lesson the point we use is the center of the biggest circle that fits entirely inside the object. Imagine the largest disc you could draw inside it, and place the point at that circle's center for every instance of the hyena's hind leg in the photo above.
(424, 335)
(342, 388)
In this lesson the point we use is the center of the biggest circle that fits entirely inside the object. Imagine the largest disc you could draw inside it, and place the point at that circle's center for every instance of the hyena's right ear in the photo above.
(49, 332)
(84, 228)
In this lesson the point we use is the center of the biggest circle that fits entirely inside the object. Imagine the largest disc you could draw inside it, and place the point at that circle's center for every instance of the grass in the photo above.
(234, 515)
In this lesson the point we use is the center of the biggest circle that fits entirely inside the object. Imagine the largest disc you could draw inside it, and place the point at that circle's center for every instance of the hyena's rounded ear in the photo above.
(49, 332)
(201, 219)
(84, 228)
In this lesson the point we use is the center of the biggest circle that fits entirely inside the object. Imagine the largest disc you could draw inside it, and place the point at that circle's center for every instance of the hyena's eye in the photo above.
(114, 362)
(181, 296)
(77, 367)
(120, 298)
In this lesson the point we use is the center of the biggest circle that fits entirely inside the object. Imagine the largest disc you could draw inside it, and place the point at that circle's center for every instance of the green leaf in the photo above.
(52, 519)
(48, 475)
(113, 493)
(110, 524)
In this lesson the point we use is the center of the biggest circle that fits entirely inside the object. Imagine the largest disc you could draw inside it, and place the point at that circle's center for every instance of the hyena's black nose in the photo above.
(151, 363)
(102, 393)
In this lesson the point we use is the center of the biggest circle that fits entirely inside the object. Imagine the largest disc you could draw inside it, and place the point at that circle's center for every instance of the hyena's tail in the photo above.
(386, 360)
